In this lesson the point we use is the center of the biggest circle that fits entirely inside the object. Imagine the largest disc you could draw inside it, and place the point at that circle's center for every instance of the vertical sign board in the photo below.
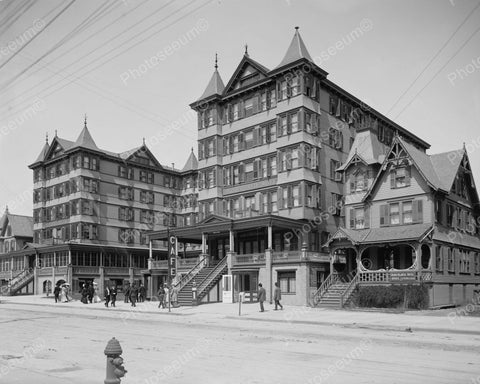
(172, 256)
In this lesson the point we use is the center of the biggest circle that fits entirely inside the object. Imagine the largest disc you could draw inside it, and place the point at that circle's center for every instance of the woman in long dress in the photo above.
(63, 294)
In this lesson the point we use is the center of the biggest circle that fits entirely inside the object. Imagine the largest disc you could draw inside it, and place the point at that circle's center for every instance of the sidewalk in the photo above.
(445, 321)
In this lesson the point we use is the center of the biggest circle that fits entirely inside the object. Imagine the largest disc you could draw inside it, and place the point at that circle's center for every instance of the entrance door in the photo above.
(247, 282)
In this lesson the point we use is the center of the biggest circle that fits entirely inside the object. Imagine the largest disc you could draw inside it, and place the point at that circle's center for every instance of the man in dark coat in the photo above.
(126, 288)
(107, 296)
(262, 295)
(161, 296)
(133, 294)
(113, 295)
(84, 293)
(277, 296)
(56, 292)
(91, 293)
(142, 293)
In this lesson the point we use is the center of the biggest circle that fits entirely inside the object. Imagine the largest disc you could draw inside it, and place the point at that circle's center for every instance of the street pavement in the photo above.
(44, 342)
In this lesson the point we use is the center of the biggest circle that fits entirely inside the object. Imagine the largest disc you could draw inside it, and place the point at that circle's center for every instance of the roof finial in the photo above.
(192, 149)
(55, 133)
(6, 209)
(85, 121)
(297, 28)
(246, 49)
(144, 141)
(216, 61)
(464, 146)
(46, 137)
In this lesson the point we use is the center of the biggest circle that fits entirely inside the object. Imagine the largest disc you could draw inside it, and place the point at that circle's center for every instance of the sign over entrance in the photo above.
(403, 275)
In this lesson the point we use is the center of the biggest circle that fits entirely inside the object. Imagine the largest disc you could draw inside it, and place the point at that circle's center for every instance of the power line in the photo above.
(15, 11)
(11, 21)
(126, 49)
(38, 34)
(436, 73)
(78, 29)
(434, 57)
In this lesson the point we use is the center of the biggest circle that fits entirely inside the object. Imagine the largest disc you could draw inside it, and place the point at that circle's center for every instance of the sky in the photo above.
(133, 67)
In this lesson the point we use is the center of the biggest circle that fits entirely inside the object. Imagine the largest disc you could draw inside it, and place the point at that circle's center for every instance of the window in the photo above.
(438, 258)
(438, 211)
(287, 281)
(395, 214)
(400, 177)
(125, 214)
(477, 263)
(125, 193)
(359, 181)
(450, 212)
(335, 138)
(464, 261)
(334, 175)
(147, 197)
(359, 218)
(126, 236)
(407, 212)
(450, 260)
(337, 204)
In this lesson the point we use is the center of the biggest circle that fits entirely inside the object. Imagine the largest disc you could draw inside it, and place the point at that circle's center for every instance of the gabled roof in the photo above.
(22, 226)
(191, 164)
(296, 51)
(64, 144)
(446, 166)
(85, 140)
(246, 60)
(366, 147)
(131, 154)
(215, 86)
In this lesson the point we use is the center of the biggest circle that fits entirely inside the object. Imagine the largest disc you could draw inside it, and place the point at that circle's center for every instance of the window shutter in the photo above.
(407, 175)
(200, 150)
(241, 141)
(384, 215)
(417, 208)
(255, 136)
(269, 202)
(301, 120)
(269, 166)
(366, 217)
(352, 218)
(314, 123)
(241, 173)
(352, 183)
(280, 197)
(289, 124)
(214, 174)
(279, 126)
(230, 145)
(199, 122)
(338, 110)
(289, 196)
(229, 113)
(214, 145)
(214, 113)
(392, 179)
(225, 146)
(260, 198)
(301, 192)
(314, 157)
(255, 169)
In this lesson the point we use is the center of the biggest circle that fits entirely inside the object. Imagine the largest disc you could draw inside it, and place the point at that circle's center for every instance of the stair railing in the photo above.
(211, 277)
(186, 278)
(320, 292)
(18, 281)
(348, 292)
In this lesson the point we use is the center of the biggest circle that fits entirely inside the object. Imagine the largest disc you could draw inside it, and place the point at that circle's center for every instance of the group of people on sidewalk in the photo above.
(89, 293)
(134, 294)
(60, 293)
(164, 296)
(262, 296)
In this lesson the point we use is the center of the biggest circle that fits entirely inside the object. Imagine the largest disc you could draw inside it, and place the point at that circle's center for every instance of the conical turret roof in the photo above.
(215, 86)
(297, 50)
(85, 140)
(191, 164)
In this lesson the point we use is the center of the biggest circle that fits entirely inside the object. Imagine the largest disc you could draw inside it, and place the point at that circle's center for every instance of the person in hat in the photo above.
(262, 295)
(161, 296)
(107, 295)
(56, 293)
(113, 295)
(277, 296)
(133, 294)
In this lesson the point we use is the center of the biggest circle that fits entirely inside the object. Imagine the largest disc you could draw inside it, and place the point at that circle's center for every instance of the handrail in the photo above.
(209, 278)
(347, 293)
(185, 279)
(19, 277)
(318, 294)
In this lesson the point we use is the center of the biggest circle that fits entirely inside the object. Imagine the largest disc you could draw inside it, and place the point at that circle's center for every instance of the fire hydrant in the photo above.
(115, 368)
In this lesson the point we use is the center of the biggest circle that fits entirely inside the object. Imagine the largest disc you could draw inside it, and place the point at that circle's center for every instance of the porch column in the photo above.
(418, 259)
(35, 274)
(204, 243)
(70, 269)
(231, 241)
(101, 283)
(53, 268)
(150, 254)
(268, 266)
(270, 236)
(11, 268)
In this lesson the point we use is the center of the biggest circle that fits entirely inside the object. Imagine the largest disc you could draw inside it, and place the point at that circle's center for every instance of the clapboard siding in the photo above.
(384, 191)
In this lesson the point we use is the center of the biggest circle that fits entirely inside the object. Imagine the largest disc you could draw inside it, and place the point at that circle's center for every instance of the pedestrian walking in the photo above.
(261, 295)
(91, 293)
(56, 292)
(161, 297)
(133, 295)
(277, 296)
(113, 295)
(174, 297)
(126, 290)
(142, 293)
(84, 293)
(107, 296)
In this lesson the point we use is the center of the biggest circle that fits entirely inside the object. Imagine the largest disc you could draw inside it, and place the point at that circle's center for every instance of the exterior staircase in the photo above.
(19, 282)
(335, 292)
(205, 280)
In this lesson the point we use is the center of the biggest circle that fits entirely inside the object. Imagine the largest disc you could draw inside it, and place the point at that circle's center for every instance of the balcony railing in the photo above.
(300, 256)
(394, 276)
